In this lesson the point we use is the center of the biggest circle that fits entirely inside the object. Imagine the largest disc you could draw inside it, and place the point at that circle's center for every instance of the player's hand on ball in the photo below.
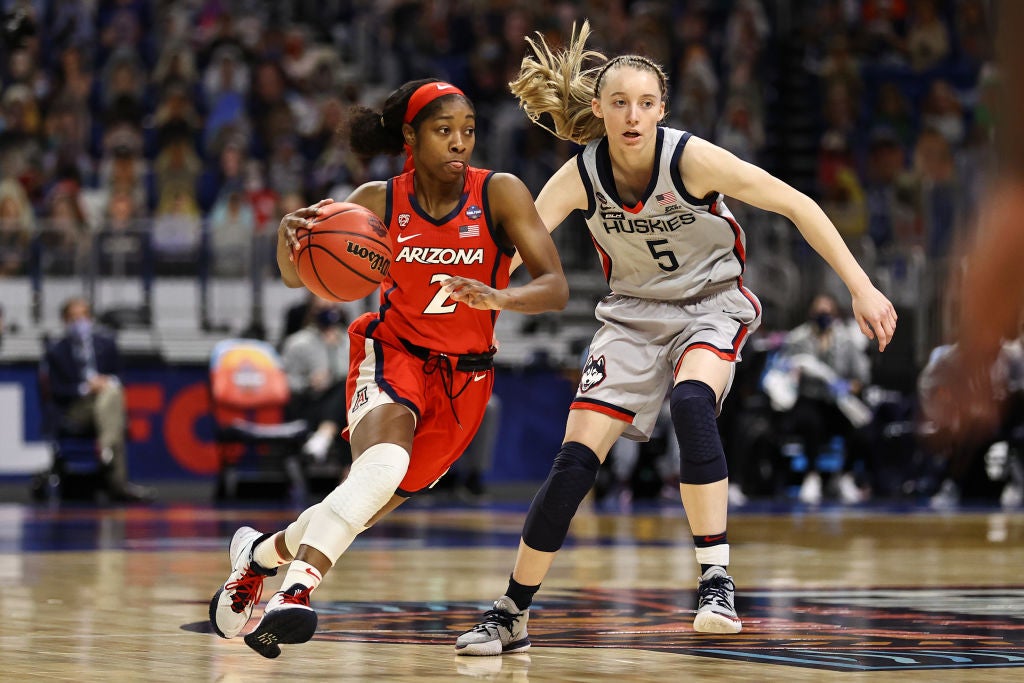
(473, 293)
(300, 218)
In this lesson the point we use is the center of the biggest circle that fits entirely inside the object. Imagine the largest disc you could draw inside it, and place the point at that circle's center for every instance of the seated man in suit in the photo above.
(83, 367)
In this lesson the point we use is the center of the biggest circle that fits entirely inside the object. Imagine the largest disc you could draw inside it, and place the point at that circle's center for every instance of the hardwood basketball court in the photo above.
(92, 594)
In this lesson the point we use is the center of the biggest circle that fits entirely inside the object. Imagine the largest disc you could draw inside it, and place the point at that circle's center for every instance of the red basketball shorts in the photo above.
(382, 371)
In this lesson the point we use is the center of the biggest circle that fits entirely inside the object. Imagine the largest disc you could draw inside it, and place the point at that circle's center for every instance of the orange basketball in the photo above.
(345, 252)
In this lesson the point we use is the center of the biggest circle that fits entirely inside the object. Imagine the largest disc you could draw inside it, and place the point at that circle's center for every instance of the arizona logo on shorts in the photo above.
(593, 373)
(361, 398)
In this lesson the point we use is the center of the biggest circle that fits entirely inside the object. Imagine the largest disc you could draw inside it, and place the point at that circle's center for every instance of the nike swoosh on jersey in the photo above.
(406, 238)
(477, 378)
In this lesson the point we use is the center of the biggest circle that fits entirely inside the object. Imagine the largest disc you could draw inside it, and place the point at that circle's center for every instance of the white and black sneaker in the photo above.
(233, 603)
(503, 631)
(288, 619)
(715, 611)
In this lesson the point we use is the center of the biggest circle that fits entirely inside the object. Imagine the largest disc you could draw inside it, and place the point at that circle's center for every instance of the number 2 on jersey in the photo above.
(437, 304)
(672, 263)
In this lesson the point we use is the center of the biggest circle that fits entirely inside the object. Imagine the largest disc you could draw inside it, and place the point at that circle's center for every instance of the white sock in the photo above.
(304, 573)
(266, 555)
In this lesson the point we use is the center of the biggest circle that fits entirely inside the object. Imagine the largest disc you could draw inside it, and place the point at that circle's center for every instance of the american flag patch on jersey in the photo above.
(666, 198)
(469, 230)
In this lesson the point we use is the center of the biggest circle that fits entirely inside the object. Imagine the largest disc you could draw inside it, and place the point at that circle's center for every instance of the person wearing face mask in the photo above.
(832, 368)
(82, 369)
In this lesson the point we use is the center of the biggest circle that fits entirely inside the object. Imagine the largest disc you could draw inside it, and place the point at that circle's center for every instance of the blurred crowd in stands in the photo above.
(172, 134)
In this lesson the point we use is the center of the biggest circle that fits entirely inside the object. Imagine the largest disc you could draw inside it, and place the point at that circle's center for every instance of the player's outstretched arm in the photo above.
(562, 193)
(713, 169)
(513, 210)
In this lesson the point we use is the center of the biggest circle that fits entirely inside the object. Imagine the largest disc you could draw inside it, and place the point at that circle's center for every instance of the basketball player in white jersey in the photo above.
(677, 315)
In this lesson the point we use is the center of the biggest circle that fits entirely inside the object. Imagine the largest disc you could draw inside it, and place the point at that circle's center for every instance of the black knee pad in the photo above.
(701, 458)
(571, 477)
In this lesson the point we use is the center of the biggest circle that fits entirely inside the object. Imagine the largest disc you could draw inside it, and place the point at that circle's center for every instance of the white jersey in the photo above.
(671, 245)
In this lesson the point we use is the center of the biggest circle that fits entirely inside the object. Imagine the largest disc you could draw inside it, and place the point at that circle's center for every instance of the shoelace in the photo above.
(246, 590)
(497, 617)
(716, 590)
(299, 598)
(442, 363)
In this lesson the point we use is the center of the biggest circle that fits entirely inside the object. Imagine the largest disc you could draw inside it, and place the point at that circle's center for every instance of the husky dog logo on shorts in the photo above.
(593, 373)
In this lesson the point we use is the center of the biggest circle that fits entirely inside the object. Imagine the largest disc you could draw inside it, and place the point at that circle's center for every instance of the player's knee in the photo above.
(701, 458)
(370, 484)
(572, 475)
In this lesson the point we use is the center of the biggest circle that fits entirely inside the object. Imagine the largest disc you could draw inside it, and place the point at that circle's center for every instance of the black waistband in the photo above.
(470, 362)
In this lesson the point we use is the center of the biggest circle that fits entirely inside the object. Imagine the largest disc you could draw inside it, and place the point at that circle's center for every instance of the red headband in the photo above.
(425, 94)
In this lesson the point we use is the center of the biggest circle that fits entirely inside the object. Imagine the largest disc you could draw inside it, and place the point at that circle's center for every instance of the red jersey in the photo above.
(413, 305)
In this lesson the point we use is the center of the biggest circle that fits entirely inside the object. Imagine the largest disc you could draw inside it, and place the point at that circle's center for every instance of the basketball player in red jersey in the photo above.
(421, 371)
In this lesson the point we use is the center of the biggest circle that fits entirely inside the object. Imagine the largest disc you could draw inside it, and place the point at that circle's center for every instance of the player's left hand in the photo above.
(876, 316)
(473, 293)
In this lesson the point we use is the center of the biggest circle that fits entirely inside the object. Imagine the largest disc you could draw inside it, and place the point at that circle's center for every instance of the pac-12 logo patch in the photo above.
(593, 373)
(403, 219)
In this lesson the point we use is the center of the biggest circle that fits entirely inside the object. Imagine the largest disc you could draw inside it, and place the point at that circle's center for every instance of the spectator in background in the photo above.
(74, 74)
(944, 414)
(316, 361)
(176, 66)
(893, 110)
(227, 175)
(124, 169)
(121, 235)
(65, 234)
(17, 225)
(832, 368)
(739, 131)
(177, 165)
(695, 104)
(65, 134)
(82, 369)
(176, 230)
(262, 198)
(943, 112)
(231, 228)
(176, 116)
(884, 165)
(973, 32)
(842, 195)
(937, 189)
(287, 167)
(928, 43)
(123, 88)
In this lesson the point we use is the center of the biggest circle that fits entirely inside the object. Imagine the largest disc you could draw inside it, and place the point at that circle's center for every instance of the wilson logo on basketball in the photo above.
(438, 255)
(379, 262)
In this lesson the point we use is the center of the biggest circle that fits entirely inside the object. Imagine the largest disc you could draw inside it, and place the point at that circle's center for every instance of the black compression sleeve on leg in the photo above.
(572, 475)
(702, 459)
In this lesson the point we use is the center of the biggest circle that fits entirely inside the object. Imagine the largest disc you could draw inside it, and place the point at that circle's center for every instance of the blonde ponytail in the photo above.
(559, 84)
